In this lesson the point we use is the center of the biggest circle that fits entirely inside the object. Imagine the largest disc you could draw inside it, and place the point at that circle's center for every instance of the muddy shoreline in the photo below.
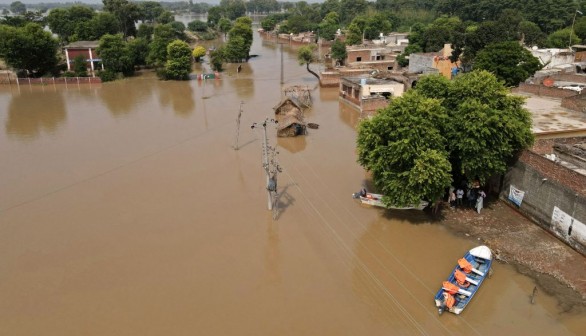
(556, 268)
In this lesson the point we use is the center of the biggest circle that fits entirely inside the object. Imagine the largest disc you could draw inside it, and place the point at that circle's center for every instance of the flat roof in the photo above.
(551, 120)
(82, 44)
(371, 81)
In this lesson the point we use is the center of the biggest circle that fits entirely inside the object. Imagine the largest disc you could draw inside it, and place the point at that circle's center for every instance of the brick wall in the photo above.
(555, 172)
(541, 90)
(371, 105)
(547, 185)
(329, 79)
(575, 103)
(354, 54)
(576, 78)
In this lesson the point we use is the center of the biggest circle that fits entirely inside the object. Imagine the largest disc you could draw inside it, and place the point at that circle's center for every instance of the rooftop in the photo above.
(550, 120)
(369, 80)
(82, 44)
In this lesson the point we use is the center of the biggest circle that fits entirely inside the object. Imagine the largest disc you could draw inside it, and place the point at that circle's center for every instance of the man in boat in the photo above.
(363, 192)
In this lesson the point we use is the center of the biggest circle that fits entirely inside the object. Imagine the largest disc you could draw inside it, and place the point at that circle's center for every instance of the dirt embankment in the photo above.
(557, 268)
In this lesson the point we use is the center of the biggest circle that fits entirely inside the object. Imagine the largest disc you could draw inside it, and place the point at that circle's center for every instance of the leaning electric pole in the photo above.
(269, 163)
(238, 126)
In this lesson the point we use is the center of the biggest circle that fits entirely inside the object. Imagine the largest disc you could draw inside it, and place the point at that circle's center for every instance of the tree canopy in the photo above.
(306, 56)
(467, 128)
(508, 61)
(28, 48)
(178, 65)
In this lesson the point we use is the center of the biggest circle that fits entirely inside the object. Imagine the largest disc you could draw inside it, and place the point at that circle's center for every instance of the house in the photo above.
(434, 62)
(87, 49)
(361, 60)
(371, 57)
(552, 58)
(289, 115)
(369, 94)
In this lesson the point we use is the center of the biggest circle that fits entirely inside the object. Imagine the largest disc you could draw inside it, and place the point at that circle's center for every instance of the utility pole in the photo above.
(270, 166)
(282, 80)
(238, 125)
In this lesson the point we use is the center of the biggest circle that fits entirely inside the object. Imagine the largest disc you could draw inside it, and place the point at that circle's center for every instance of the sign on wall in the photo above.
(516, 195)
(566, 224)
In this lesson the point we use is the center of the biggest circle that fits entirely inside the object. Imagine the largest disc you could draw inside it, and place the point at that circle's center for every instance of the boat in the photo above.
(377, 200)
(464, 281)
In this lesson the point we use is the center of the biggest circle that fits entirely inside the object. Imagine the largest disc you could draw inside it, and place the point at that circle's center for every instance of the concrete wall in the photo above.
(420, 62)
(548, 185)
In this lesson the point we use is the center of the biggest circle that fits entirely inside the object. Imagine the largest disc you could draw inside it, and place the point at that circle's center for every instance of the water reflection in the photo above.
(122, 98)
(293, 144)
(349, 115)
(179, 95)
(31, 112)
(272, 253)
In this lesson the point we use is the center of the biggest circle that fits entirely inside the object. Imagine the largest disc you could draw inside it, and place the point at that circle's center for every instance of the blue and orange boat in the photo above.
(464, 280)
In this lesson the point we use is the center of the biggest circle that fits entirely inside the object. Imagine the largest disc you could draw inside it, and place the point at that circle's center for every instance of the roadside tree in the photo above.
(217, 58)
(198, 52)
(306, 56)
(242, 31)
(178, 65)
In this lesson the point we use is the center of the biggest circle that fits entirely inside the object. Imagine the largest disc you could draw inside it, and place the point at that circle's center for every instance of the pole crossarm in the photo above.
(269, 162)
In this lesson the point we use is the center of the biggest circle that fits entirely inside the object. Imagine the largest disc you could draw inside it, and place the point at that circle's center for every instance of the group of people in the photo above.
(471, 196)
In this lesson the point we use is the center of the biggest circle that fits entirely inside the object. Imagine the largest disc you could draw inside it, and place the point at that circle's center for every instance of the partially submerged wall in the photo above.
(552, 195)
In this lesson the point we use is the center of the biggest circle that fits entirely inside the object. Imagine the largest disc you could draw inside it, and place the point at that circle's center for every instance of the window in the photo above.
(358, 59)
(389, 68)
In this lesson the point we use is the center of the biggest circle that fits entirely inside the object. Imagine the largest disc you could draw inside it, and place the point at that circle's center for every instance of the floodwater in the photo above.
(125, 210)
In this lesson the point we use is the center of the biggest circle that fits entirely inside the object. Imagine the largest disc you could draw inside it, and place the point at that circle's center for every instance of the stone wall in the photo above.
(547, 185)
(541, 90)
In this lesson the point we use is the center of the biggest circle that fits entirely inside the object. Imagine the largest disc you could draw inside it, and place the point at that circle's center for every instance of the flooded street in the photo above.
(125, 210)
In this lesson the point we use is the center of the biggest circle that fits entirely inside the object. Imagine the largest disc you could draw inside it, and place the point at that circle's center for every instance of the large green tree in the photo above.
(405, 150)
(467, 128)
(306, 56)
(487, 125)
(127, 14)
(67, 22)
(242, 32)
(561, 39)
(116, 55)
(508, 61)
(178, 65)
(233, 8)
(28, 48)
(163, 35)
(18, 7)
(339, 52)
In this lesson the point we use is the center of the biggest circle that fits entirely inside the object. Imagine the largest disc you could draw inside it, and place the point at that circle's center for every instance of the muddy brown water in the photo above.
(124, 210)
